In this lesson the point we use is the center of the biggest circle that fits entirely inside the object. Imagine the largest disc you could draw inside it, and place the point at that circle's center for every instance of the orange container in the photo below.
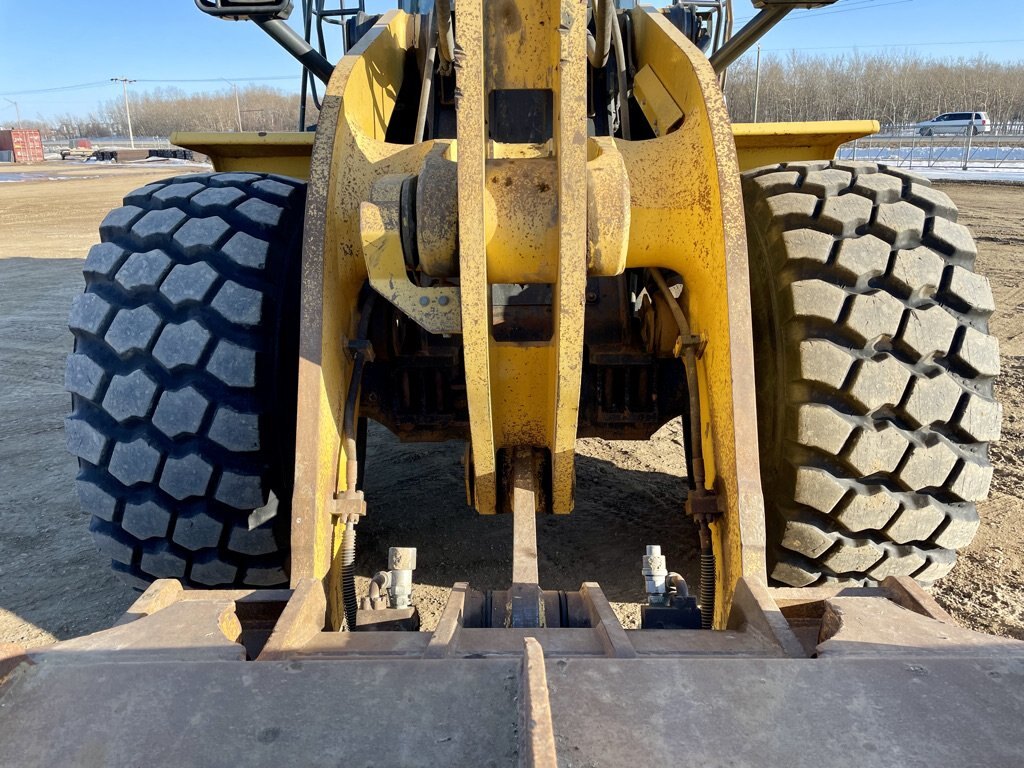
(26, 145)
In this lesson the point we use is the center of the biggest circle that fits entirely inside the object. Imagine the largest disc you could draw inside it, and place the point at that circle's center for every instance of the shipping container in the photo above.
(27, 146)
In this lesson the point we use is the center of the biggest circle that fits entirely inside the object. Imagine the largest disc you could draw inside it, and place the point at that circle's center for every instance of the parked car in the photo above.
(956, 122)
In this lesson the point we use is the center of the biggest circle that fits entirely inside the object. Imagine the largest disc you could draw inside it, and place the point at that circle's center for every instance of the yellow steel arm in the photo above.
(553, 213)
(757, 144)
(284, 153)
(760, 144)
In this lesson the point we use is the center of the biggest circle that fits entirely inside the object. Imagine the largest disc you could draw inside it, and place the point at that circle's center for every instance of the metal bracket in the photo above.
(362, 347)
(437, 309)
(702, 505)
(525, 607)
(349, 506)
(699, 344)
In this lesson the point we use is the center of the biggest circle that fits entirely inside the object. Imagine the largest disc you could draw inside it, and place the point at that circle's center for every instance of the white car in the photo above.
(956, 122)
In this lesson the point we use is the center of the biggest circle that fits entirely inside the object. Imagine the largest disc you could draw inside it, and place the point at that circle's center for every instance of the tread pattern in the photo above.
(184, 442)
(875, 387)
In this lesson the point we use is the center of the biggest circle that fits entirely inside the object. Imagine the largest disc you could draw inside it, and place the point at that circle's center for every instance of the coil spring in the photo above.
(348, 575)
(707, 588)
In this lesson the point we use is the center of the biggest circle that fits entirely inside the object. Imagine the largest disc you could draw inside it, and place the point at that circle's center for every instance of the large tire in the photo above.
(874, 372)
(183, 380)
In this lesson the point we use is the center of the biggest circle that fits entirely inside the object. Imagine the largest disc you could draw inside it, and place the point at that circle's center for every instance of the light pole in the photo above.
(238, 107)
(757, 83)
(17, 111)
(124, 86)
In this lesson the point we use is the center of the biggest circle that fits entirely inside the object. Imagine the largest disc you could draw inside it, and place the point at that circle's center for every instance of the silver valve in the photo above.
(655, 573)
(401, 564)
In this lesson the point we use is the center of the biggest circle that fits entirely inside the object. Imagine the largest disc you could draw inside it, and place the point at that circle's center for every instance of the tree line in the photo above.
(164, 110)
(896, 89)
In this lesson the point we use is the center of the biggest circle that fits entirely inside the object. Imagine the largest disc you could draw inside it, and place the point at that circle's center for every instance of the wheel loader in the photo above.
(518, 223)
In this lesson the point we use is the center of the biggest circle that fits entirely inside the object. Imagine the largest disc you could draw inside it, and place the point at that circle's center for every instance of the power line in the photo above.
(855, 5)
(220, 79)
(895, 45)
(80, 86)
(17, 111)
(105, 83)
(845, 6)
(869, 7)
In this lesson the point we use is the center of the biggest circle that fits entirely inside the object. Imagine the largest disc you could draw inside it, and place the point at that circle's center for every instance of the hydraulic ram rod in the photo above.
(753, 31)
(772, 12)
(290, 40)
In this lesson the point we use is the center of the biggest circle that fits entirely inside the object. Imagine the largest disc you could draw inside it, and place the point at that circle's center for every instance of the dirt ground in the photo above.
(53, 585)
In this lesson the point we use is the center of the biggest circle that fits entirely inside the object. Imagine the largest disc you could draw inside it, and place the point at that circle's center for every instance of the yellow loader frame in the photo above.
(810, 677)
(672, 202)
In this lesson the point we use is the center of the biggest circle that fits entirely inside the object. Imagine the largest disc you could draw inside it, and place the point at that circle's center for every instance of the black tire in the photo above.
(874, 372)
(183, 380)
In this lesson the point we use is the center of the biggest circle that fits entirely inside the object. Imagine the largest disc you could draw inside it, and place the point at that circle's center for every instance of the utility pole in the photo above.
(124, 86)
(967, 144)
(17, 111)
(238, 107)
(757, 83)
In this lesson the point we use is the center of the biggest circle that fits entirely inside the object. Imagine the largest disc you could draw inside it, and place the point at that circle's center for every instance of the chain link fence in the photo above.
(986, 151)
(110, 142)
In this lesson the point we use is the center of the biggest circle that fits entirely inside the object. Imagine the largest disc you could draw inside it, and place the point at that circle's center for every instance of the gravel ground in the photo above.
(53, 585)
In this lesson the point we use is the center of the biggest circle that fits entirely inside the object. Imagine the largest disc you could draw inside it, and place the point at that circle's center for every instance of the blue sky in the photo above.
(58, 43)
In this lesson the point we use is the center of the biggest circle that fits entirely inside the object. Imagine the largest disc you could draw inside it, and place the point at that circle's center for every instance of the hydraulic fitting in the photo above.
(401, 564)
(655, 573)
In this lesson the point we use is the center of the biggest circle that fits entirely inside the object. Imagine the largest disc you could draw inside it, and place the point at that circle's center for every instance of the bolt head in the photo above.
(653, 563)
(402, 558)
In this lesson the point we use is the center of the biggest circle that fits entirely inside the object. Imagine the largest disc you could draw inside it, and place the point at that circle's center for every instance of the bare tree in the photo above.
(165, 110)
(897, 89)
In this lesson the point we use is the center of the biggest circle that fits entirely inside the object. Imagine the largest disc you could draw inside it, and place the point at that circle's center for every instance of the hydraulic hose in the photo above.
(445, 37)
(707, 552)
(690, 364)
(427, 82)
(306, 76)
(728, 36)
(378, 584)
(350, 427)
(620, 71)
(350, 430)
(599, 43)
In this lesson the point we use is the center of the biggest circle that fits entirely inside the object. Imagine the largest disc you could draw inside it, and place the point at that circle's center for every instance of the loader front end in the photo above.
(517, 225)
